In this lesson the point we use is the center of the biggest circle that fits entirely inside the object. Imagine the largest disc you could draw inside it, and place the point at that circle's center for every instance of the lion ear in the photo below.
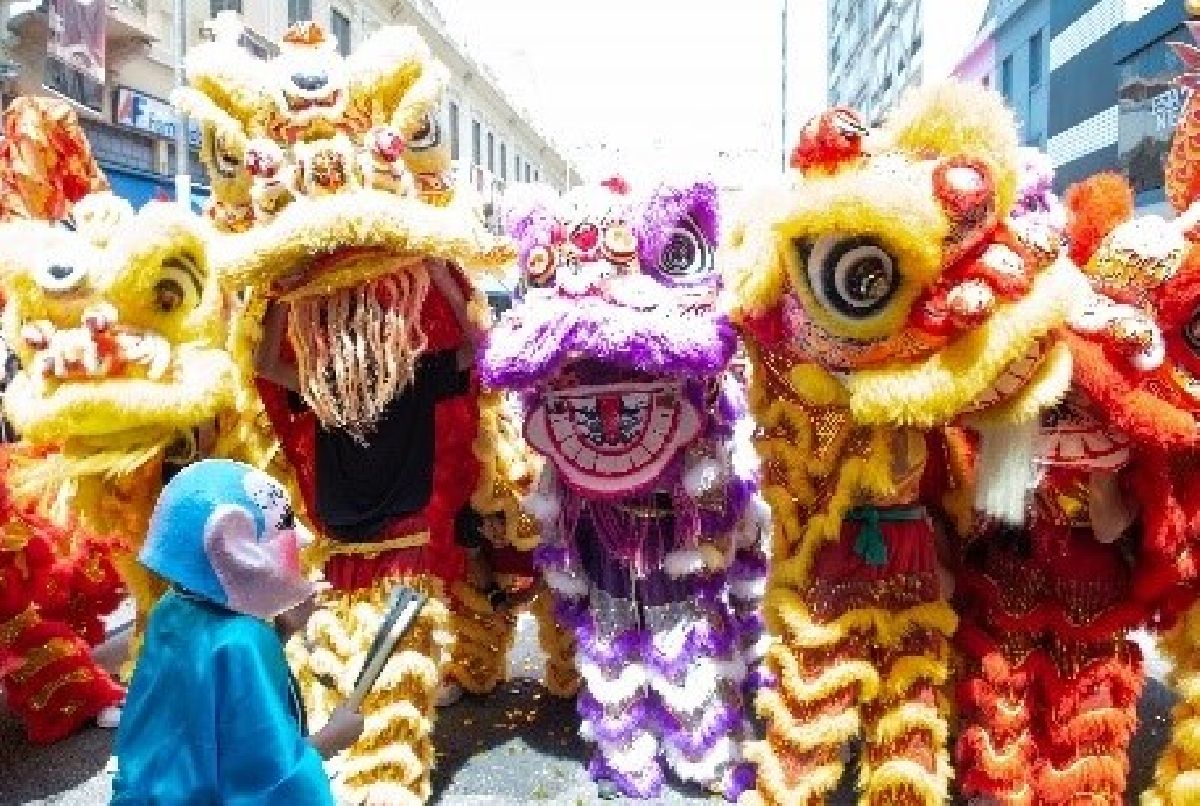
(958, 120)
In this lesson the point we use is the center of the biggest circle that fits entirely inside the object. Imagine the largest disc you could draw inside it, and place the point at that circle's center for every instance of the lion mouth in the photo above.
(612, 431)
(194, 386)
(302, 103)
(99, 349)
(1013, 380)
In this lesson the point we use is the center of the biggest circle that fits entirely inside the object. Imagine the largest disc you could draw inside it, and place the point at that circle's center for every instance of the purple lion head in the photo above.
(616, 338)
(616, 277)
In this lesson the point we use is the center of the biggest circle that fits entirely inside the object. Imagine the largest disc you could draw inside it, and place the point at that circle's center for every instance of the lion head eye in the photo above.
(179, 285)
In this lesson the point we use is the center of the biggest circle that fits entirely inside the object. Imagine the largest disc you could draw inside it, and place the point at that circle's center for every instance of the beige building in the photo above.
(493, 142)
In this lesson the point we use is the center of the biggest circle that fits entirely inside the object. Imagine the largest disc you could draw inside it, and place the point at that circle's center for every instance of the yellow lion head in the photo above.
(119, 326)
(888, 265)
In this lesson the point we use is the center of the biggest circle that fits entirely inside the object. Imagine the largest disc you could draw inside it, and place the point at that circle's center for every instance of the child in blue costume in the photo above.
(213, 715)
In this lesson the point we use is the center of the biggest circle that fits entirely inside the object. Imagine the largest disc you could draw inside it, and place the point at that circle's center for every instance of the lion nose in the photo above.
(310, 82)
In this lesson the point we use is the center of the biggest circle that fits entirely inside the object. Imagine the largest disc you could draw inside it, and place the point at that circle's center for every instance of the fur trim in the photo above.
(1096, 206)
(701, 476)
(568, 585)
(202, 384)
(898, 777)
(311, 227)
(704, 770)
(948, 383)
(748, 589)
(612, 691)
(543, 506)
(683, 563)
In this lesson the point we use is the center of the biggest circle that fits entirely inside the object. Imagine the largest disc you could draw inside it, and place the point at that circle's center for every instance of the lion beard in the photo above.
(1007, 470)
(358, 347)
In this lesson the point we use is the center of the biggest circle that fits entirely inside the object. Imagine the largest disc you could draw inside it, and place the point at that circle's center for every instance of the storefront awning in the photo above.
(139, 187)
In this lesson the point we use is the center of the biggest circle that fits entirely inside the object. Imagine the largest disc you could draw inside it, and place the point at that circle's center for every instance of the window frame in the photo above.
(336, 14)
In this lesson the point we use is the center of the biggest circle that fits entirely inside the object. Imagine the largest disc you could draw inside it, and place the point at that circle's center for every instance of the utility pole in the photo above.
(783, 90)
(183, 178)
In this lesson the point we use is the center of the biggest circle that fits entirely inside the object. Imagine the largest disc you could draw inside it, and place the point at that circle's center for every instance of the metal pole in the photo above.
(183, 178)
(783, 99)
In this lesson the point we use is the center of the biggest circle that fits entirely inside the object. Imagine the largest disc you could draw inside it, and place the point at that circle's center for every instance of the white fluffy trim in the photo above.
(634, 759)
(700, 684)
(701, 476)
(613, 691)
(542, 506)
(683, 562)
(707, 769)
(748, 589)
(755, 525)
(567, 585)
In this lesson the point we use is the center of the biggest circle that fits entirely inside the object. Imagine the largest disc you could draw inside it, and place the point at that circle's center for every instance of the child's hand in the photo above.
(344, 727)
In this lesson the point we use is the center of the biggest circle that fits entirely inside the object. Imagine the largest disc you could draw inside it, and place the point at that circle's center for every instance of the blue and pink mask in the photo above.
(225, 532)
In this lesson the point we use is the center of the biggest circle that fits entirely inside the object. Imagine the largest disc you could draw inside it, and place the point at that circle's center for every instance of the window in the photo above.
(1035, 60)
(503, 160)
(299, 11)
(1006, 78)
(258, 46)
(340, 24)
(528, 173)
(516, 167)
(476, 143)
(987, 81)
(225, 5)
(491, 163)
(454, 145)
(537, 176)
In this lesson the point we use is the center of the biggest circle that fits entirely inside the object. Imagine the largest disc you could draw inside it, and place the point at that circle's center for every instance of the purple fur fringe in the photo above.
(600, 769)
(529, 346)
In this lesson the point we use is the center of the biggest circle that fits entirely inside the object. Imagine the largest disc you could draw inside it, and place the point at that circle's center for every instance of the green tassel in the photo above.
(869, 544)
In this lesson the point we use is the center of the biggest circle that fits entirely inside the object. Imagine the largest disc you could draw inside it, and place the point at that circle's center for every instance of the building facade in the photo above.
(880, 48)
(132, 127)
(1112, 102)
(1009, 54)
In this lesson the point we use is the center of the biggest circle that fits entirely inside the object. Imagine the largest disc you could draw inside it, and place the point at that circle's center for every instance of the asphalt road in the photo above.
(518, 746)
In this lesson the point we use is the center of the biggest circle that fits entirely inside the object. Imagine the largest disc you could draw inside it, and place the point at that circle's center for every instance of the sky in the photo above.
(654, 86)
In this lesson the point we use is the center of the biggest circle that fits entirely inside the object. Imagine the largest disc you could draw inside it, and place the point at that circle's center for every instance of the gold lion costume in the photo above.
(882, 295)
(338, 224)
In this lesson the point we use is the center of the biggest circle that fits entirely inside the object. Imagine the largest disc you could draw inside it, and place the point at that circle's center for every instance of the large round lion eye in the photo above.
(539, 267)
(1191, 331)
(687, 254)
(427, 137)
(854, 277)
(179, 285)
(61, 276)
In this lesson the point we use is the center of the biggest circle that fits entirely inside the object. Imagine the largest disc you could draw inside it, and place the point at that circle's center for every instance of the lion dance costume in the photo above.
(1051, 682)
(338, 224)
(650, 542)
(1156, 264)
(882, 295)
(119, 326)
(57, 576)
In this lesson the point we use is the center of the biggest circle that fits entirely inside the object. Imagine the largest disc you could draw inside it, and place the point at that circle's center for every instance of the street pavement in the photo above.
(516, 747)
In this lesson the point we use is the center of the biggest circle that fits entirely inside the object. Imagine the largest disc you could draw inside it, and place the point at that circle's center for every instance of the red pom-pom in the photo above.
(617, 185)
(829, 140)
